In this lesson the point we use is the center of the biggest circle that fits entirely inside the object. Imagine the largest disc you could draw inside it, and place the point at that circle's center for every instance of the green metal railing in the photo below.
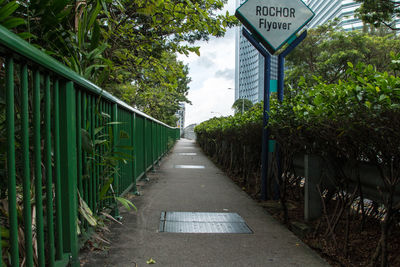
(44, 163)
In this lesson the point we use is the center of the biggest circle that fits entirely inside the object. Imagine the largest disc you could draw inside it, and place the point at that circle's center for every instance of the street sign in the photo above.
(274, 22)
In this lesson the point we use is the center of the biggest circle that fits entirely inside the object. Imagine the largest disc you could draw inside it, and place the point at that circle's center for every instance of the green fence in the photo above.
(49, 116)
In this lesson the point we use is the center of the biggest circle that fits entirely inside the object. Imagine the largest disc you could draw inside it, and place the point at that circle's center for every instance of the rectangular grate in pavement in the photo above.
(189, 166)
(203, 222)
(187, 154)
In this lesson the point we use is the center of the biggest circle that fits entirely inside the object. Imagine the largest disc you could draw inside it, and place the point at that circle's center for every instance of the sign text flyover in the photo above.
(274, 22)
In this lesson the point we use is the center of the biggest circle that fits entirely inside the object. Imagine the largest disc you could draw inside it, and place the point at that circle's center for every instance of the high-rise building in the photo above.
(326, 10)
(344, 10)
(249, 65)
(249, 76)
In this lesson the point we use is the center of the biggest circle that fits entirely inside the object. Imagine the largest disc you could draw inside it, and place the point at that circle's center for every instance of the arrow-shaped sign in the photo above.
(274, 22)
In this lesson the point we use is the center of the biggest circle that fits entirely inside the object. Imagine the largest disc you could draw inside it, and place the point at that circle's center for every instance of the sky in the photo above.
(212, 73)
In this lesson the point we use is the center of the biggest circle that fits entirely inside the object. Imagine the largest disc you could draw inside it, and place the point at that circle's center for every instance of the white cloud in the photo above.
(211, 78)
(213, 99)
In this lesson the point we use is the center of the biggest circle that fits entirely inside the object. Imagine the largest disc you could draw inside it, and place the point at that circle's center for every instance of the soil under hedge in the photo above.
(362, 243)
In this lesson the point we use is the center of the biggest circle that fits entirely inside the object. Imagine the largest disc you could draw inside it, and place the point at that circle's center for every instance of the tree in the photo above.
(126, 45)
(327, 49)
(379, 12)
(241, 105)
(161, 94)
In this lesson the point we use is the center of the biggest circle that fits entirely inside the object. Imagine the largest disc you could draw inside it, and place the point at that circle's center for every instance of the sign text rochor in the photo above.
(274, 22)
(270, 11)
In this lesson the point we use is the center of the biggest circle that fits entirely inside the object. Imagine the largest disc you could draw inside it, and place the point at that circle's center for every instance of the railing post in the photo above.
(11, 172)
(134, 170)
(68, 160)
(114, 118)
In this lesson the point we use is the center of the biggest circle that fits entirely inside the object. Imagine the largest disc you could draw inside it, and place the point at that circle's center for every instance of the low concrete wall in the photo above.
(317, 171)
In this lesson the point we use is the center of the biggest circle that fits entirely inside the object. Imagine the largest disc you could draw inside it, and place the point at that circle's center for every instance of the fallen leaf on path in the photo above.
(151, 261)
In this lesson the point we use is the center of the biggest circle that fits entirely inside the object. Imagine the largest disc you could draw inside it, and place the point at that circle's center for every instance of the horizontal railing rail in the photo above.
(70, 149)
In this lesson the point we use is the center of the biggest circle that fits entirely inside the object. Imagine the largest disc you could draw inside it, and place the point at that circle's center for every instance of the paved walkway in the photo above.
(199, 190)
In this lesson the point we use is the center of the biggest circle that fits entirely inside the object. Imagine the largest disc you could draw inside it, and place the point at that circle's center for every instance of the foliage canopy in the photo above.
(241, 105)
(123, 45)
(327, 49)
(379, 12)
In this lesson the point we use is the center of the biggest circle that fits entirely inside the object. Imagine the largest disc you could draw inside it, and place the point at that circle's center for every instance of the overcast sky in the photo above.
(212, 74)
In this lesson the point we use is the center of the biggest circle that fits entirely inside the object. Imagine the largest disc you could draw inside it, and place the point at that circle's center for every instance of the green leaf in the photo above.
(94, 15)
(361, 80)
(98, 130)
(5, 244)
(86, 212)
(4, 232)
(95, 40)
(105, 188)
(7, 10)
(11, 23)
(105, 115)
(26, 35)
(100, 141)
(126, 203)
(151, 261)
(318, 100)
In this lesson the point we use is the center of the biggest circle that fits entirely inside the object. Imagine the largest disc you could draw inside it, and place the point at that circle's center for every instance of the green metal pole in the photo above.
(57, 172)
(91, 165)
(97, 151)
(84, 164)
(79, 140)
(38, 169)
(102, 109)
(49, 174)
(114, 116)
(26, 168)
(145, 137)
(12, 195)
(133, 138)
(68, 165)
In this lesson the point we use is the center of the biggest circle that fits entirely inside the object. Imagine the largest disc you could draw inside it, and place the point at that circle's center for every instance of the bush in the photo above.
(347, 123)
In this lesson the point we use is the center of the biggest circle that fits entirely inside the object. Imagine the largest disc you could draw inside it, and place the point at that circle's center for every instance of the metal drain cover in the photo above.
(203, 222)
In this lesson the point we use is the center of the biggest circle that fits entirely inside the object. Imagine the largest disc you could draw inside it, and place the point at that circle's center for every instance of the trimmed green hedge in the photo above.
(347, 123)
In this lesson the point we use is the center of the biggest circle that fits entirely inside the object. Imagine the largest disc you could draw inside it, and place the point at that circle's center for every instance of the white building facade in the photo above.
(249, 75)
(326, 10)
(249, 69)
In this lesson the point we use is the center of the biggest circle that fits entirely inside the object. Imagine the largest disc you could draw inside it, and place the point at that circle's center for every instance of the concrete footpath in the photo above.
(198, 190)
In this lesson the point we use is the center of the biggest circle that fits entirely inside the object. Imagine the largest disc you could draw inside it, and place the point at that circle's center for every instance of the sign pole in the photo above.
(265, 134)
(273, 23)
